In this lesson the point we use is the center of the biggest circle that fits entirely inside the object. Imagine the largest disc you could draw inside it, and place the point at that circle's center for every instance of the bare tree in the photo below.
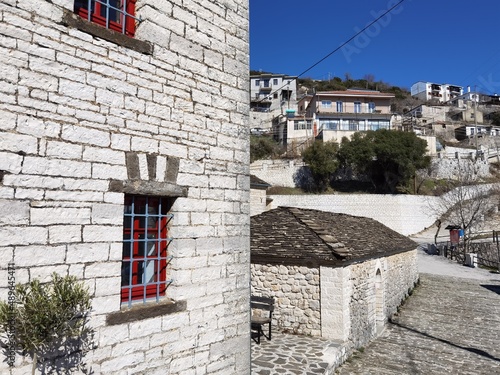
(469, 202)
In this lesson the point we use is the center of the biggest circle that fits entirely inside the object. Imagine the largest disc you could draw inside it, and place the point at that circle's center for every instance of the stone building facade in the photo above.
(258, 195)
(97, 120)
(333, 275)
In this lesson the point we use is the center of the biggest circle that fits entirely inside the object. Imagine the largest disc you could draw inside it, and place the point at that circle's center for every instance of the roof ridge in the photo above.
(338, 248)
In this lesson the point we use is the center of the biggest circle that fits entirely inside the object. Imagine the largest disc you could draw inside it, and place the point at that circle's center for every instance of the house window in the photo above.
(340, 107)
(329, 124)
(275, 81)
(117, 15)
(145, 243)
(357, 107)
(326, 104)
(371, 107)
(353, 125)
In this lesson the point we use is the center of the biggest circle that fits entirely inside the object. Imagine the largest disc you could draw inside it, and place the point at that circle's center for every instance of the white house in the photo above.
(331, 115)
(435, 91)
(272, 92)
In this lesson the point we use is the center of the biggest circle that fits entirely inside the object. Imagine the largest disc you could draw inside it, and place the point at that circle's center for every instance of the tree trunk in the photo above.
(35, 359)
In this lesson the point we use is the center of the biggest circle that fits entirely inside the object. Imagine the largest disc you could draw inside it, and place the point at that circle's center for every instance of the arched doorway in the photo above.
(379, 302)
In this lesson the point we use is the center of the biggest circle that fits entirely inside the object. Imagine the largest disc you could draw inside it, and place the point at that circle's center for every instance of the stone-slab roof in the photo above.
(298, 236)
(257, 183)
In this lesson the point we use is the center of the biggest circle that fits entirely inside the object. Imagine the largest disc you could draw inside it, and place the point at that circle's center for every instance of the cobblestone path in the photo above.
(448, 326)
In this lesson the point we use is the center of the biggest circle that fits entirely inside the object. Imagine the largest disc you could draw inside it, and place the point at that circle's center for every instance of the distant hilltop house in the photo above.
(456, 116)
(331, 115)
(434, 91)
(271, 92)
(124, 163)
(270, 96)
(332, 275)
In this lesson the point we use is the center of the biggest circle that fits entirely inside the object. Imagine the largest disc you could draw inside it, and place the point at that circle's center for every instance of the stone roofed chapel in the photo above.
(124, 153)
(332, 275)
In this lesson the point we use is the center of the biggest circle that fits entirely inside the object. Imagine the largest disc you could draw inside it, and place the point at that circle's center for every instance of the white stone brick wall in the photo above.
(406, 214)
(402, 271)
(399, 274)
(340, 303)
(277, 172)
(257, 201)
(71, 107)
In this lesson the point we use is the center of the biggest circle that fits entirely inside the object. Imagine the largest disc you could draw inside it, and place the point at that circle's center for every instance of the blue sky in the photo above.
(442, 41)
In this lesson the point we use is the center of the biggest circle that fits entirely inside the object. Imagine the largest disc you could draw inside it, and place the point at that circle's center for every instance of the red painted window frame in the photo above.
(140, 291)
(100, 20)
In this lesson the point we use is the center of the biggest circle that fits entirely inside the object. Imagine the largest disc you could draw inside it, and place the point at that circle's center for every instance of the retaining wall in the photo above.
(406, 214)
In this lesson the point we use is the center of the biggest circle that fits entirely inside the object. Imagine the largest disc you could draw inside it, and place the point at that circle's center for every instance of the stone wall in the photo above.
(362, 304)
(350, 304)
(406, 214)
(286, 173)
(297, 296)
(257, 201)
(400, 277)
(295, 173)
(375, 297)
(87, 116)
(452, 168)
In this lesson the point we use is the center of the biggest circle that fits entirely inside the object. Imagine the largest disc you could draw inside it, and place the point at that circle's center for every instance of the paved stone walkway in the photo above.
(292, 354)
(449, 325)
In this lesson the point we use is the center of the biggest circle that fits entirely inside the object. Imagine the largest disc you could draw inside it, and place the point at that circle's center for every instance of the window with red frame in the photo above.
(145, 243)
(117, 15)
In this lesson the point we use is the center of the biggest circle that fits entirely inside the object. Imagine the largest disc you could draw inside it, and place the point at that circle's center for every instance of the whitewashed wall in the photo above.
(406, 214)
(74, 110)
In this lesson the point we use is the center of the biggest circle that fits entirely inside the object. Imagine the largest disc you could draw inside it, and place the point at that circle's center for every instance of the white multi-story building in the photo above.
(331, 115)
(270, 96)
(271, 92)
(434, 91)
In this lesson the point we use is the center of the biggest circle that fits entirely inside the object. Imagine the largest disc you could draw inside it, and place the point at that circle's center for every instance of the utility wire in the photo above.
(338, 48)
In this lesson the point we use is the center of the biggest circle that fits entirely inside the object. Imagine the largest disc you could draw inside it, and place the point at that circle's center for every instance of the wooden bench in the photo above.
(262, 314)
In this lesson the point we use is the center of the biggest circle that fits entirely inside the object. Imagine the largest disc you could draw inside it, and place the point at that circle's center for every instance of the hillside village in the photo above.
(295, 114)
(125, 172)
(456, 123)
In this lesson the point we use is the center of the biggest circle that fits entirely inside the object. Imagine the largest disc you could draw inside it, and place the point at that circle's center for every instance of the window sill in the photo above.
(141, 312)
(73, 20)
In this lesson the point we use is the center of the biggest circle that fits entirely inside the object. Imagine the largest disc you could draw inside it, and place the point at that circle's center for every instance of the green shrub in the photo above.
(45, 316)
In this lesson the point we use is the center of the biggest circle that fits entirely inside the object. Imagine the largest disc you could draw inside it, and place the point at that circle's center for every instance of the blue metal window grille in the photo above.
(117, 15)
(145, 243)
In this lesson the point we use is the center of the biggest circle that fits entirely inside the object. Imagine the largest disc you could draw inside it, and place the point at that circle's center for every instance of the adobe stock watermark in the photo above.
(11, 328)
(489, 84)
(369, 32)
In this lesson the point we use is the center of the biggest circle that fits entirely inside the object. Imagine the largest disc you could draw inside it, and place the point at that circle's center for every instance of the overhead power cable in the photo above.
(341, 46)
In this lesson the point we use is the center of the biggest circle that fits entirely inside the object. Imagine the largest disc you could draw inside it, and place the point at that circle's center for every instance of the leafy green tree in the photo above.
(321, 157)
(495, 118)
(388, 158)
(263, 147)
